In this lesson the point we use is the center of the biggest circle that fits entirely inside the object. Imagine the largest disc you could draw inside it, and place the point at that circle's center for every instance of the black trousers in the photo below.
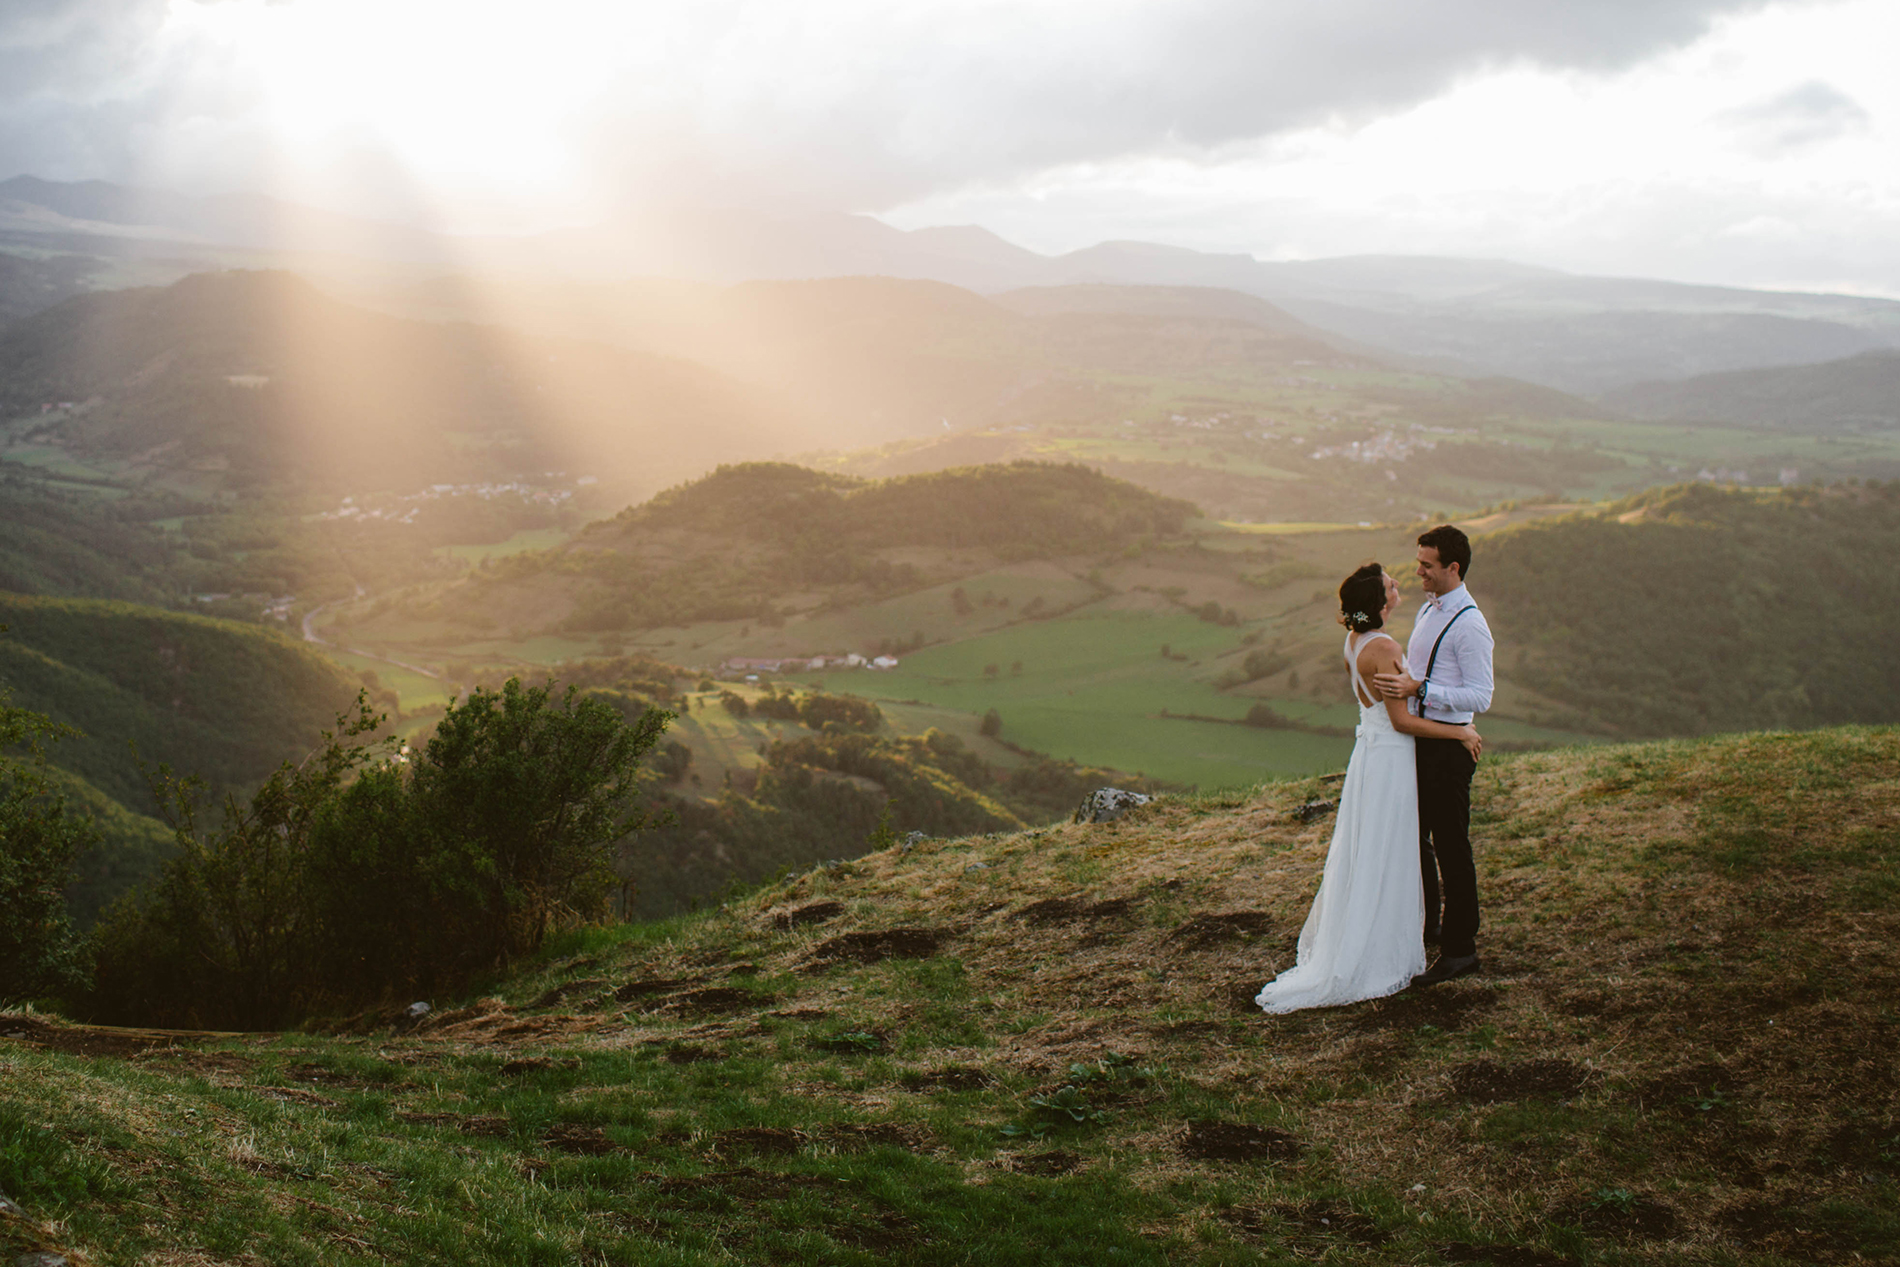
(1444, 844)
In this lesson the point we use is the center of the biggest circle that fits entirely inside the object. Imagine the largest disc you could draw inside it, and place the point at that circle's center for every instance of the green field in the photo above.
(416, 691)
(520, 543)
(1092, 689)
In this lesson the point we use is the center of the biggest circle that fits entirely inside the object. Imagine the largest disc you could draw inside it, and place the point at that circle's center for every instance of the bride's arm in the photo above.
(1411, 724)
(1381, 658)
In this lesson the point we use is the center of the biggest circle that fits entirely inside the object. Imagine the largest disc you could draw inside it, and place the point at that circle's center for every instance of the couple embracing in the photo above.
(1399, 871)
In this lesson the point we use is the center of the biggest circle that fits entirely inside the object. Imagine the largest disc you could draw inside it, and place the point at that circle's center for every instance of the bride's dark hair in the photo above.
(1362, 599)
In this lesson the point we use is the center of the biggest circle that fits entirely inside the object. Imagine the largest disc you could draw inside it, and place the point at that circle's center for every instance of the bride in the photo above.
(1364, 937)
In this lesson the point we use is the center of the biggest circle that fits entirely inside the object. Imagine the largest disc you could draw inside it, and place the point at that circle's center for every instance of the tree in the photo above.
(39, 953)
(524, 798)
(370, 871)
(991, 725)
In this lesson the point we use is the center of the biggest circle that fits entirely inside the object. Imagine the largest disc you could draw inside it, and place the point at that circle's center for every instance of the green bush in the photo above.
(370, 872)
(817, 710)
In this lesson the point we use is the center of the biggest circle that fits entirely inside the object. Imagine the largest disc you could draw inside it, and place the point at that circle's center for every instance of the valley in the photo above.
(511, 482)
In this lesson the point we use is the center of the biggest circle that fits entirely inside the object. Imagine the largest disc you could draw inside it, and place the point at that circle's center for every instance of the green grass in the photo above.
(521, 542)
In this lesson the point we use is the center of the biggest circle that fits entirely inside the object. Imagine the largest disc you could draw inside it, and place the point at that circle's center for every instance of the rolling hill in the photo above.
(257, 378)
(1853, 394)
(223, 700)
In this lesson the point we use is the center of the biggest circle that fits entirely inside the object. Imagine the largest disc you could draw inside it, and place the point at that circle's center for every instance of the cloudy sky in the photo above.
(1725, 141)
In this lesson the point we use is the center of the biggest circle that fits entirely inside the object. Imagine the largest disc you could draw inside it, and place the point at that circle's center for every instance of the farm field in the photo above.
(527, 539)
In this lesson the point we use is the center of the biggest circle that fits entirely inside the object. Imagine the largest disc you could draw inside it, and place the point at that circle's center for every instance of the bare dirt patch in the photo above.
(1204, 932)
(877, 946)
(808, 914)
(1318, 1224)
(858, 1135)
(717, 1000)
(768, 1140)
(572, 1137)
(1057, 1161)
(950, 1078)
(891, 1234)
(1238, 1141)
(1447, 1007)
(96, 1040)
(208, 1064)
(1628, 1216)
(484, 1126)
(1076, 909)
(1486, 1081)
(653, 987)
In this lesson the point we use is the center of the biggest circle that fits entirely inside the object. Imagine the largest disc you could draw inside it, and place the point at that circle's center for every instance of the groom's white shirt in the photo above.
(1460, 684)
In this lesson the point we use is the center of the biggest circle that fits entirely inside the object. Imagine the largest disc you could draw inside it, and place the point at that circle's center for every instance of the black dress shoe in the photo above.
(1448, 968)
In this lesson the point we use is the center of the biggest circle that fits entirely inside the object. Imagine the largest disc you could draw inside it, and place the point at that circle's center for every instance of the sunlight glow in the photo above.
(456, 90)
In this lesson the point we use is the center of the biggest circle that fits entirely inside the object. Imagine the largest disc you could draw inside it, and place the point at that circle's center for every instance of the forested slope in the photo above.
(222, 700)
(1693, 610)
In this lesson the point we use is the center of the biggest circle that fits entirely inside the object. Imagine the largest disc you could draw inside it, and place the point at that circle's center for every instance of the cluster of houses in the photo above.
(398, 514)
(275, 607)
(806, 664)
(1387, 446)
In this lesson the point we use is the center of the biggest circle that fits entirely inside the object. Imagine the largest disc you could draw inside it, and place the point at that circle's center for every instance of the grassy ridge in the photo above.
(1682, 1052)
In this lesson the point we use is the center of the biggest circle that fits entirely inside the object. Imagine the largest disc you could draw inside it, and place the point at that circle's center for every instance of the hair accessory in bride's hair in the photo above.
(1360, 618)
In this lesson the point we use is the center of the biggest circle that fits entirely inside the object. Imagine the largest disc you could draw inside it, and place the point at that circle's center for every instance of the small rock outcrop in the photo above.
(1105, 805)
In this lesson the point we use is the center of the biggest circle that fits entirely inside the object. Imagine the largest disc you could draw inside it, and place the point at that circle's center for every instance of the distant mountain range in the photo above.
(1588, 335)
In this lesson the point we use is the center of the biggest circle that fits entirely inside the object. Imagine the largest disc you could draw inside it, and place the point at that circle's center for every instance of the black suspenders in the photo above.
(1433, 662)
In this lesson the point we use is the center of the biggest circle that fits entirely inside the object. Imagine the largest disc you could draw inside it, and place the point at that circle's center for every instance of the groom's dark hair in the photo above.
(1452, 545)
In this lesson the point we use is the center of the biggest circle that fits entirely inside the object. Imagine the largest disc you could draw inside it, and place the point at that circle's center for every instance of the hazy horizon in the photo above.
(1726, 142)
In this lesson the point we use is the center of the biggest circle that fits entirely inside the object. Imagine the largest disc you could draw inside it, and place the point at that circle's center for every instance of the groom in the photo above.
(1452, 644)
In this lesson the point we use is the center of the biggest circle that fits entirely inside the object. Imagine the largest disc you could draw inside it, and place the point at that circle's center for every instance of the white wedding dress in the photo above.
(1364, 937)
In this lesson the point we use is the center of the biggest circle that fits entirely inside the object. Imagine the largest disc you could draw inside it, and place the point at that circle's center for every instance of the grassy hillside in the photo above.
(754, 539)
(1039, 1048)
(219, 699)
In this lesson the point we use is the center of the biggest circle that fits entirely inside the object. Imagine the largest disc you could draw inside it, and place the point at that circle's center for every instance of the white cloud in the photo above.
(1659, 136)
(1674, 167)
